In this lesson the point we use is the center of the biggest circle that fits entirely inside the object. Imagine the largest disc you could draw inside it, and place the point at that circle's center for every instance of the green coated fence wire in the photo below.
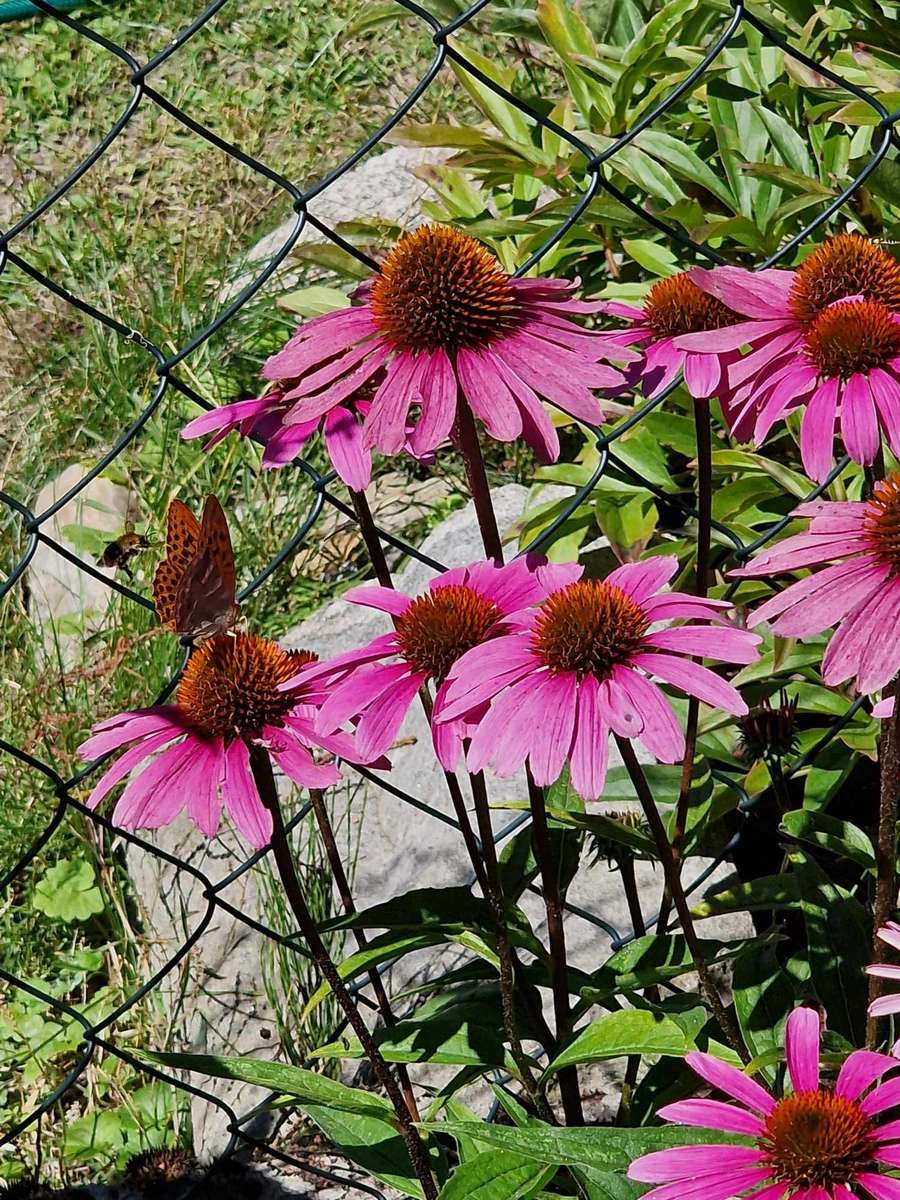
(21, 10)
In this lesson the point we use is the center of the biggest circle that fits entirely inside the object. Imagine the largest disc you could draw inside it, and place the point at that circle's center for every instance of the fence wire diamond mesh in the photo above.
(171, 378)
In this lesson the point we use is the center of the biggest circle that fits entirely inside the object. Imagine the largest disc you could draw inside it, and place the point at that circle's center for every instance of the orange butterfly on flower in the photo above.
(194, 585)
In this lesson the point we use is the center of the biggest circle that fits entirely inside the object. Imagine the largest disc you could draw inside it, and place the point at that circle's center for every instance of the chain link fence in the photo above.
(172, 378)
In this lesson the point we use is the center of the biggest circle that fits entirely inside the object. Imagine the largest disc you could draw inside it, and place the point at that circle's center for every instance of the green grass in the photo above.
(151, 234)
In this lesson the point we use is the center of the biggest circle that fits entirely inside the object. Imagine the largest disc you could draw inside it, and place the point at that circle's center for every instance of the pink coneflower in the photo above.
(266, 418)
(579, 666)
(375, 685)
(859, 592)
(826, 337)
(673, 307)
(887, 1006)
(816, 1143)
(228, 698)
(445, 322)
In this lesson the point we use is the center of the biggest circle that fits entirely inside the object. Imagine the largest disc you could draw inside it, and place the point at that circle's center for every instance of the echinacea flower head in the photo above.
(673, 307)
(375, 685)
(858, 591)
(768, 730)
(887, 1006)
(444, 324)
(825, 337)
(579, 665)
(197, 750)
(815, 1143)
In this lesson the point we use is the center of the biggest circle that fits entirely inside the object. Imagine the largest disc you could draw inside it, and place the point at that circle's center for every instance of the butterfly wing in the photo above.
(205, 596)
(182, 545)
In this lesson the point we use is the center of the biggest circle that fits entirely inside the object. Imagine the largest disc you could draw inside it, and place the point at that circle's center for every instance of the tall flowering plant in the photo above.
(687, 684)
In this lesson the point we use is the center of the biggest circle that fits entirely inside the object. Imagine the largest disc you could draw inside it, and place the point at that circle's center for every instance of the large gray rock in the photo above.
(391, 184)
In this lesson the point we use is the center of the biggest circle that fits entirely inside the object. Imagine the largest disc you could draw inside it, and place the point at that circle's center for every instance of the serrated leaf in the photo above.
(378, 950)
(470, 1040)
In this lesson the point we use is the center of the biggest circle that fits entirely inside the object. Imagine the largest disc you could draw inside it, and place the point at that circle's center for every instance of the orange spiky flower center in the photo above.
(440, 289)
(817, 1140)
(441, 625)
(882, 521)
(589, 627)
(676, 306)
(230, 686)
(846, 265)
(853, 337)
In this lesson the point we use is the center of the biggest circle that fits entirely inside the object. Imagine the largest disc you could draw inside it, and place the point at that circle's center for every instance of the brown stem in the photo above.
(265, 782)
(886, 848)
(369, 531)
(497, 901)
(673, 880)
(383, 574)
(470, 449)
(549, 869)
(701, 587)
(633, 900)
(326, 832)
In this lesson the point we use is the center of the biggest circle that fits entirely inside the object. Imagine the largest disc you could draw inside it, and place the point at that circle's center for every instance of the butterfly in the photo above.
(194, 585)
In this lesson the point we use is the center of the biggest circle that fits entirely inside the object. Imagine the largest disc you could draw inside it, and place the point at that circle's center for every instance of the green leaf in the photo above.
(378, 950)
(840, 837)
(307, 1087)
(314, 301)
(770, 891)
(595, 823)
(739, 460)
(652, 256)
(331, 258)
(839, 936)
(648, 174)
(605, 1149)
(470, 1040)
(497, 1175)
(606, 1185)
(654, 959)
(630, 1031)
(421, 908)
(359, 1124)
(68, 891)
(678, 156)
(627, 522)
(784, 177)
(504, 115)
(763, 997)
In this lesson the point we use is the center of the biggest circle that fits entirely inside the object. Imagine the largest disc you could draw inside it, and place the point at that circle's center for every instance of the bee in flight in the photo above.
(118, 553)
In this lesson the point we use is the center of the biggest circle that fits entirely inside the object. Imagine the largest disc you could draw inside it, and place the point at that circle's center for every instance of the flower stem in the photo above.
(369, 531)
(497, 901)
(701, 587)
(373, 545)
(549, 869)
(673, 881)
(633, 900)
(886, 848)
(326, 832)
(265, 782)
(470, 449)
